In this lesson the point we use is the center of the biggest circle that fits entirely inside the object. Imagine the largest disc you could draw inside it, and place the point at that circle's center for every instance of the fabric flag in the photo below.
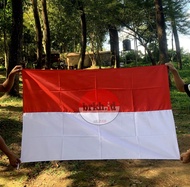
(120, 113)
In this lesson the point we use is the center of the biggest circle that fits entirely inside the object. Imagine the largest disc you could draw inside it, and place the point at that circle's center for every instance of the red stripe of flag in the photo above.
(129, 89)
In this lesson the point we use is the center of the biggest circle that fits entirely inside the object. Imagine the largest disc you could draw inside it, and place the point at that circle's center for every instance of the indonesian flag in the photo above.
(97, 114)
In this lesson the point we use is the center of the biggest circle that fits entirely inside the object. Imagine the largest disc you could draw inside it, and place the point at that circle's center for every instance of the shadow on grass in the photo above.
(97, 173)
(109, 173)
(12, 108)
(10, 130)
(85, 173)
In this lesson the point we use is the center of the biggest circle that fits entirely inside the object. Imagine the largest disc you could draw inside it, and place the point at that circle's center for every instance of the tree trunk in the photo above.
(161, 32)
(175, 33)
(16, 43)
(38, 33)
(114, 45)
(83, 41)
(177, 44)
(6, 49)
(46, 34)
(5, 39)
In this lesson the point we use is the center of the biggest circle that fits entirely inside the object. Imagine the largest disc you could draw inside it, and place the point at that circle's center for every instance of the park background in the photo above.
(103, 18)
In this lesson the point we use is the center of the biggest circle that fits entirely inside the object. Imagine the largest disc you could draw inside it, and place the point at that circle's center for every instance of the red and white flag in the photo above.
(97, 114)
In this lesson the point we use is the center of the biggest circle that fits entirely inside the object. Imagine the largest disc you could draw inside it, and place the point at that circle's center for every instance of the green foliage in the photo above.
(5, 25)
(64, 25)
(130, 56)
(181, 108)
(10, 115)
(180, 101)
(186, 60)
(178, 11)
(139, 18)
(64, 17)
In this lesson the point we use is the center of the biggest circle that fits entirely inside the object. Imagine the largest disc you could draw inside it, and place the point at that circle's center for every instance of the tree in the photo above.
(105, 21)
(47, 41)
(38, 33)
(138, 18)
(100, 23)
(177, 43)
(79, 5)
(16, 42)
(65, 25)
(5, 14)
(161, 32)
(179, 21)
(114, 45)
(83, 34)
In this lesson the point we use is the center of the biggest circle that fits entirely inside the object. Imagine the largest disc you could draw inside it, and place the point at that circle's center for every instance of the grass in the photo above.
(83, 173)
(181, 104)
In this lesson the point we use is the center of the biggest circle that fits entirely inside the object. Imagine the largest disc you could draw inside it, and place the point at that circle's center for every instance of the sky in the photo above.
(185, 42)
